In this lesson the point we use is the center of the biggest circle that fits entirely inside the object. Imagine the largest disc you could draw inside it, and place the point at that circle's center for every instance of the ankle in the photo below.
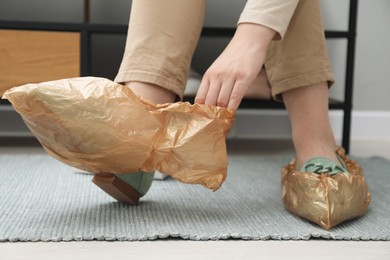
(151, 92)
(309, 147)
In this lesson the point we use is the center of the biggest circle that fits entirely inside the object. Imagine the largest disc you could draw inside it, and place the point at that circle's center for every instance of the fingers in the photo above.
(236, 95)
(201, 95)
(223, 93)
(227, 79)
(215, 92)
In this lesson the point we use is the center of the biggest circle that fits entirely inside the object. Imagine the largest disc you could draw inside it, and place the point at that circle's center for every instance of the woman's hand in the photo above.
(226, 81)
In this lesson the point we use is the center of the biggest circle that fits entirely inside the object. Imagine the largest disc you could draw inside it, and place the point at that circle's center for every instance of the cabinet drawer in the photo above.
(36, 56)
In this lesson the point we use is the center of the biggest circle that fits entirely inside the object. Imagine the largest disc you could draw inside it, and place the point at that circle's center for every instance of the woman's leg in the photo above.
(161, 40)
(300, 74)
(260, 87)
(311, 131)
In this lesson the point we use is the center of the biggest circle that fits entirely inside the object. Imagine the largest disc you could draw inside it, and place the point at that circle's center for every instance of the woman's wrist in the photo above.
(255, 33)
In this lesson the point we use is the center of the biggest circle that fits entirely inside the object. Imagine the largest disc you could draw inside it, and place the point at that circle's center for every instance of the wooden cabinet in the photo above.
(36, 56)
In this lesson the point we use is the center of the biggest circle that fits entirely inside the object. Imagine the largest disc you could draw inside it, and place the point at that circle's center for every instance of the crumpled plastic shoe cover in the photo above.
(97, 125)
(326, 199)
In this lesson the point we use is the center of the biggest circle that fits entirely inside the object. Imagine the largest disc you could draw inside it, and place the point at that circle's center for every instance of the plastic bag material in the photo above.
(324, 199)
(100, 126)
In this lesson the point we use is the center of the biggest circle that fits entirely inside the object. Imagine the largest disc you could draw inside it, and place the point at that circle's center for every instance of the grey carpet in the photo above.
(42, 199)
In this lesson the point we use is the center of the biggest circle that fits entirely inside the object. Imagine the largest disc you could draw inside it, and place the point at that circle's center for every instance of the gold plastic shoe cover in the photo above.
(324, 199)
(97, 125)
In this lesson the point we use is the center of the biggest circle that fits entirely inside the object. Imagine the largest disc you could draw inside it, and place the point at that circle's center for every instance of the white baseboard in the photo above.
(367, 125)
(274, 124)
(253, 124)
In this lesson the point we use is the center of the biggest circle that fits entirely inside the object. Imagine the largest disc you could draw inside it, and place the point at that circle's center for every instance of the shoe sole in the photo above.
(116, 188)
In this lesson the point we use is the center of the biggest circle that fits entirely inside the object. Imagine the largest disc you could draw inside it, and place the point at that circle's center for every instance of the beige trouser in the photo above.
(162, 37)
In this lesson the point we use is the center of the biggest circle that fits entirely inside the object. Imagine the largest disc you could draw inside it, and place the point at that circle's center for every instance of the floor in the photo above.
(231, 249)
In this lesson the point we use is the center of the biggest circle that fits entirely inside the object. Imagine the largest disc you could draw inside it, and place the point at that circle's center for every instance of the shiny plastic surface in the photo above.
(326, 199)
(100, 126)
